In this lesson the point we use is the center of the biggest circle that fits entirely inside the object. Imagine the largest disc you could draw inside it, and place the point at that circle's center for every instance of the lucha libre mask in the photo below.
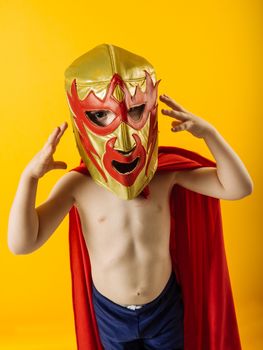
(112, 96)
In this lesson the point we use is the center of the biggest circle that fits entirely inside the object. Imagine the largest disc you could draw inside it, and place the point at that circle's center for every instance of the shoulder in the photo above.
(68, 184)
(72, 178)
(163, 179)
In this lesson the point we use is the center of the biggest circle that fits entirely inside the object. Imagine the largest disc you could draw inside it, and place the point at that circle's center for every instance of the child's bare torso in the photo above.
(127, 241)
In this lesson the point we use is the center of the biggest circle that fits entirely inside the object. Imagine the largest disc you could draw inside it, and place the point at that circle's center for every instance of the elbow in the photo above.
(244, 188)
(246, 191)
(14, 250)
(239, 193)
(249, 188)
(11, 246)
(18, 250)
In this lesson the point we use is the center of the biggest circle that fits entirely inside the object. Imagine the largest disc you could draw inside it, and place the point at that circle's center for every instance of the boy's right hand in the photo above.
(43, 161)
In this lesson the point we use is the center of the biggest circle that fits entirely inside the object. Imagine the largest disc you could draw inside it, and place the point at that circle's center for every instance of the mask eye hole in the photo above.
(101, 117)
(136, 112)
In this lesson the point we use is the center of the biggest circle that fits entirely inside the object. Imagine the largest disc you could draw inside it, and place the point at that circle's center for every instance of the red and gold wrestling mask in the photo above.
(112, 96)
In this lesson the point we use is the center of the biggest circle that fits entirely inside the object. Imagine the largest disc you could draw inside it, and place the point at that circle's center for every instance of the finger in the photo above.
(171, 103)
(175, 114)
(51, 141)
(59, 165)
(182, 126)
(52, 137)
(62, 127)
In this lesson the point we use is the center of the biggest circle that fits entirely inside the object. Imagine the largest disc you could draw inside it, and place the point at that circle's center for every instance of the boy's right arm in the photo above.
(30, 227)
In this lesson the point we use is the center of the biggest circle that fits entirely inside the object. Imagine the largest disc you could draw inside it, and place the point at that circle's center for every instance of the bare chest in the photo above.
(126, 227)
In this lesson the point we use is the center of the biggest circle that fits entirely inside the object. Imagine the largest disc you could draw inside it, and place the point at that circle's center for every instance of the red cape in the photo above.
(198, 258)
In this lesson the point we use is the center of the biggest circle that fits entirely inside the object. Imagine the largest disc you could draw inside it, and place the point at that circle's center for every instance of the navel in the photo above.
(101, 218)
(159, 207)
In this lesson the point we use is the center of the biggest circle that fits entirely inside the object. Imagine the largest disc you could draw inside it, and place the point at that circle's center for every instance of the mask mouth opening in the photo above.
(125, 168)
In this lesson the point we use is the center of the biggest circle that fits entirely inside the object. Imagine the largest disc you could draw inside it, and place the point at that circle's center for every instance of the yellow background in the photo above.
(209, 57)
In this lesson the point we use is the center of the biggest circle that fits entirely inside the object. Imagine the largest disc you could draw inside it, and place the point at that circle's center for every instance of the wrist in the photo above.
(210, 132)
(29, 176)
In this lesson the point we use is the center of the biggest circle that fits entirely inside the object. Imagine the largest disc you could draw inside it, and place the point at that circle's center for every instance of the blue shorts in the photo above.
(155, 325)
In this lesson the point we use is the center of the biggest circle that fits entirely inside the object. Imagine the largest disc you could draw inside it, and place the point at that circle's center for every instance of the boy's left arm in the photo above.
(230, 179)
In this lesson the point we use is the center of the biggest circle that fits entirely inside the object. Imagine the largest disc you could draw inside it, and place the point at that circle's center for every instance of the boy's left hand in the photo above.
(188, 121)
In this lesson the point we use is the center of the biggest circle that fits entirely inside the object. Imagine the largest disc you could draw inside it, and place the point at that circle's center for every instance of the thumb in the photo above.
(59, 165)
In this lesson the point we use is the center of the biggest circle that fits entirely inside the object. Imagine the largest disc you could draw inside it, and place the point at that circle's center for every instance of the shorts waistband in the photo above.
(170, 282)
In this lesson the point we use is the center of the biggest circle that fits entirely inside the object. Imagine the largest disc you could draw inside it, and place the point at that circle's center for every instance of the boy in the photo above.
(141, 295)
